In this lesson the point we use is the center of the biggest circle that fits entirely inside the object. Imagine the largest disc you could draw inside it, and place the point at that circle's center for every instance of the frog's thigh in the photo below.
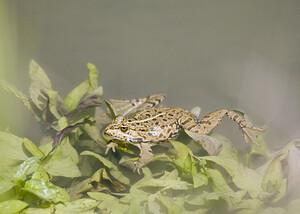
(146, 156)
(210, 121)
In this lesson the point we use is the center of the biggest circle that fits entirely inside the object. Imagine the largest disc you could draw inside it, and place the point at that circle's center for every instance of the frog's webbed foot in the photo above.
(146, 156)
(112, 145)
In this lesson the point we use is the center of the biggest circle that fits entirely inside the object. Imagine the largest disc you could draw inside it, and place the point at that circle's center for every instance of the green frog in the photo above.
(151, 125)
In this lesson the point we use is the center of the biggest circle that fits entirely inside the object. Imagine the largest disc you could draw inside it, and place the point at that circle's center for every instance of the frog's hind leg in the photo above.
(146, 156)
(210, 121)
(138, 104)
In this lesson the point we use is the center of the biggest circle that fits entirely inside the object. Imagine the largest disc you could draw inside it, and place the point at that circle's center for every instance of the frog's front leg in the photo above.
(145, 157)
(209, 122)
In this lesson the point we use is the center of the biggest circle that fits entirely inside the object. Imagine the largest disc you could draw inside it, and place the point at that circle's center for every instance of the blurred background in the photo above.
(213, 54)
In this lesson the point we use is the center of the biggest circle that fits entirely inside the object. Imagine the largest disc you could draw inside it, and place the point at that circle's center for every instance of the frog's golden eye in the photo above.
(124, 128)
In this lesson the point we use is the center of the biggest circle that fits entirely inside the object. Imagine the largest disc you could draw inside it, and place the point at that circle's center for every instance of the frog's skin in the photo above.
(152, 125)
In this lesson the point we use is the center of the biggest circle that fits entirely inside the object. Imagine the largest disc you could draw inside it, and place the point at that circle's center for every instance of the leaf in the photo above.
(261, 149)
(11, 147)
(93, 74)
(227, 149)
(184, 158)
(210, 144)
(79, 206)
(171, 206)
(12, 206)
(32, 148)
(39, 82)
(243, 177)
(23, 168)
(169, 180)
(63, 167)
(99, 181)
(293, 160)
(11, 154)
(273, 178)
(111, 109)
(75, 96)
(113, 169)
(52, 103)
(109, 203)
(19, 95)
(46, 190)
(7, 190)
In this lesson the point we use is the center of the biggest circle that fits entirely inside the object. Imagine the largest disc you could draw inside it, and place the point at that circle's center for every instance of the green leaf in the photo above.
(113, 169)
(63, 161)
(5, 185)
(52, 103)
(261, 149)
(11, 147)
(93, 74)
(46, 190)
(171, 206)
(79, 206)
(184, 158)
(111, 109)
(19, 95)
(23, 168)
(109, 203)
(11, 154)
(169, 180)
(39, 83)
(243, 177)
(273, 177)
(219, 182)
(12, 206)
(76, 95)
(32, 148)
(63, 167)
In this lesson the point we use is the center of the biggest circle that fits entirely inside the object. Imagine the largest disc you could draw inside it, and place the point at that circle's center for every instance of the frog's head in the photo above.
(120, 129)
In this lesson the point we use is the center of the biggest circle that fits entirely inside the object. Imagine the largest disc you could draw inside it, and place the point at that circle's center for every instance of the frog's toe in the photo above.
(112, 146)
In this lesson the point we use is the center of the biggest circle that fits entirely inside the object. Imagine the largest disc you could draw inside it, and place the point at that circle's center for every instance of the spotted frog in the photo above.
(151, 125)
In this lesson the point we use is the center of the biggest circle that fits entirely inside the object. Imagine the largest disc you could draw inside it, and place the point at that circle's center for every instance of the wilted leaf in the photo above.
(12, 206)
(210, 144)
(113, 169)
(97, 182)
(293, 160)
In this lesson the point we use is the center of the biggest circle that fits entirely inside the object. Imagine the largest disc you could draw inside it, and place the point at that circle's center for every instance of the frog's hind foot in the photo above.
(209, 122)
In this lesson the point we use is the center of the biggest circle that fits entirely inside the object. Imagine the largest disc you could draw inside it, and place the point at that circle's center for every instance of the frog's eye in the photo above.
(124, 128)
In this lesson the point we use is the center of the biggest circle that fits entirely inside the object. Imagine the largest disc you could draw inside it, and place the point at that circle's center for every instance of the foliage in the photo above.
(69, 172)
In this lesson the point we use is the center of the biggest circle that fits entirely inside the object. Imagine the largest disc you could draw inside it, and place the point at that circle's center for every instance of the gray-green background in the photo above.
(212, 54)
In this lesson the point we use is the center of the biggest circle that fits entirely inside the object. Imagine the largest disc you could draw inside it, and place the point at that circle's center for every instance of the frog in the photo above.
(152, 124)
